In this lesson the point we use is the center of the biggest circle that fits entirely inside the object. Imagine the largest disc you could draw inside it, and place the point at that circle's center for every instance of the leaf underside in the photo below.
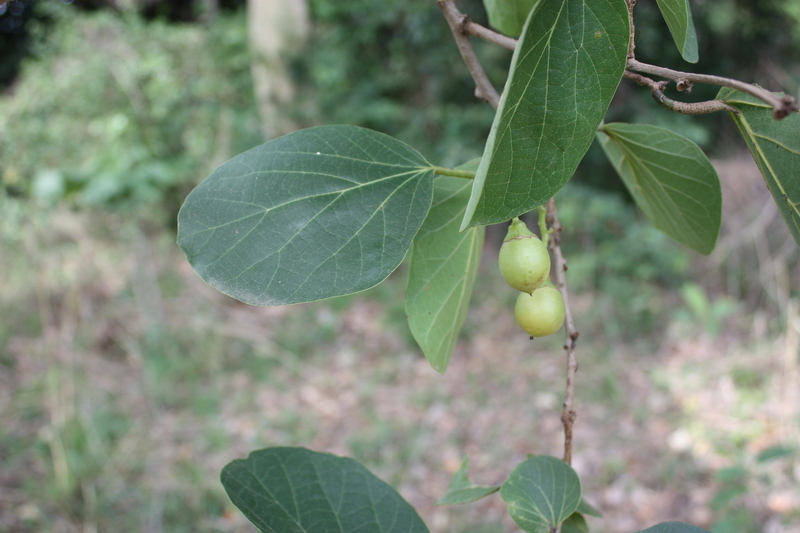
(678, 16)
(775, 146)
(671, 180)
(318, 213)
(442, 272)
(541, 493)
(576, 523)
(565, 70)
(283, 490)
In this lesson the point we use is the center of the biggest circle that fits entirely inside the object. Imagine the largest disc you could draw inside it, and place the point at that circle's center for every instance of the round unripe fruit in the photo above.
(524, 260)
(542, 313)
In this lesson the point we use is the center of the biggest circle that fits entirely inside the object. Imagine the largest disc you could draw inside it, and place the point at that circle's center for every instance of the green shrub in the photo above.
(116, 112)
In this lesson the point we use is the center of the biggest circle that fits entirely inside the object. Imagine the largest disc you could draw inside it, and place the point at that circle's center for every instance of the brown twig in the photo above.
(694, 108)
(782, 106)
(458, 22)
(568, 414)
(631, 42)
(482, 32)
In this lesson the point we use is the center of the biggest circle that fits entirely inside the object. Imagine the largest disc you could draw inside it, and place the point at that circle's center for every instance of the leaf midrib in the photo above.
(355, 234)
(792, 205)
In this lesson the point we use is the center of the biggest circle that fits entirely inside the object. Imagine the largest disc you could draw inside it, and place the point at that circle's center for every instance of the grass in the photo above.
(126, 383)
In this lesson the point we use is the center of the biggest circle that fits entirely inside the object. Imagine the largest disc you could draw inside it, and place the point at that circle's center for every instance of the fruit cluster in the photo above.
(525, 265)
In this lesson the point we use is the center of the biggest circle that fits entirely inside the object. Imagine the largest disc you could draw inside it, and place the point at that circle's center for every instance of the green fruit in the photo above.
(542, 313)
(524, 260)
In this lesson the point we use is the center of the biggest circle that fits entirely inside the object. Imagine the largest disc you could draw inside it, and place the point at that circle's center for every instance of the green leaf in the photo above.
(776, 452)
(671, 179)
(317, 213)
(673, 527)
(565, 70)
(462, 490)
(442, 272)
(576, 523)
(508, 16)
(586, 508)
(775, 145)
(282, 490)
(678, 16)
(541, 493)
(737, 474)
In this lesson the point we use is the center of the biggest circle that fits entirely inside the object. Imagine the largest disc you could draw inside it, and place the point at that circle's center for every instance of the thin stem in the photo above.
(444, 171)
(631, 42)
(568, 413)
(695, 108)
(783, 105)
(482, 32)
(460, 25)
(457, 21)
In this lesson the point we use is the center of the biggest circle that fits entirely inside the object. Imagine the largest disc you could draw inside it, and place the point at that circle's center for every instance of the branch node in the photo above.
(684, 85)
(463, 22)
(783, 105)
(696, 108)
(574, 341)
(788, 105)
(459, 23)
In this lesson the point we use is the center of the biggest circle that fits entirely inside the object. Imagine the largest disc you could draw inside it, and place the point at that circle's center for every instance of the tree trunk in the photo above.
(275, 27)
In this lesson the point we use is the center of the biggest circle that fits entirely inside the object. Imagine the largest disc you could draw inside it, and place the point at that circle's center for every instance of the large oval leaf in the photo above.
(541, 493)
(564, 72)
(283, 490)
(673, 527)
(671, 179)
(317, 213)
(678, 16)
(442, 272)
(775, 145)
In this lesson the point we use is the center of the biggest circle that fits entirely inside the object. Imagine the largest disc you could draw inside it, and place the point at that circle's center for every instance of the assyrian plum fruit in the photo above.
(524, 260)
(542, 313)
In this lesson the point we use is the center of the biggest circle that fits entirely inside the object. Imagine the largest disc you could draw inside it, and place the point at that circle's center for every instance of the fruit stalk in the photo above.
(543, 231)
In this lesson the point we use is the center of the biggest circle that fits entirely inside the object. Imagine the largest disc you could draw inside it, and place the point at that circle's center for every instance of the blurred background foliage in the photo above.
(118, 112)
(126, 384)
(170, 95)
